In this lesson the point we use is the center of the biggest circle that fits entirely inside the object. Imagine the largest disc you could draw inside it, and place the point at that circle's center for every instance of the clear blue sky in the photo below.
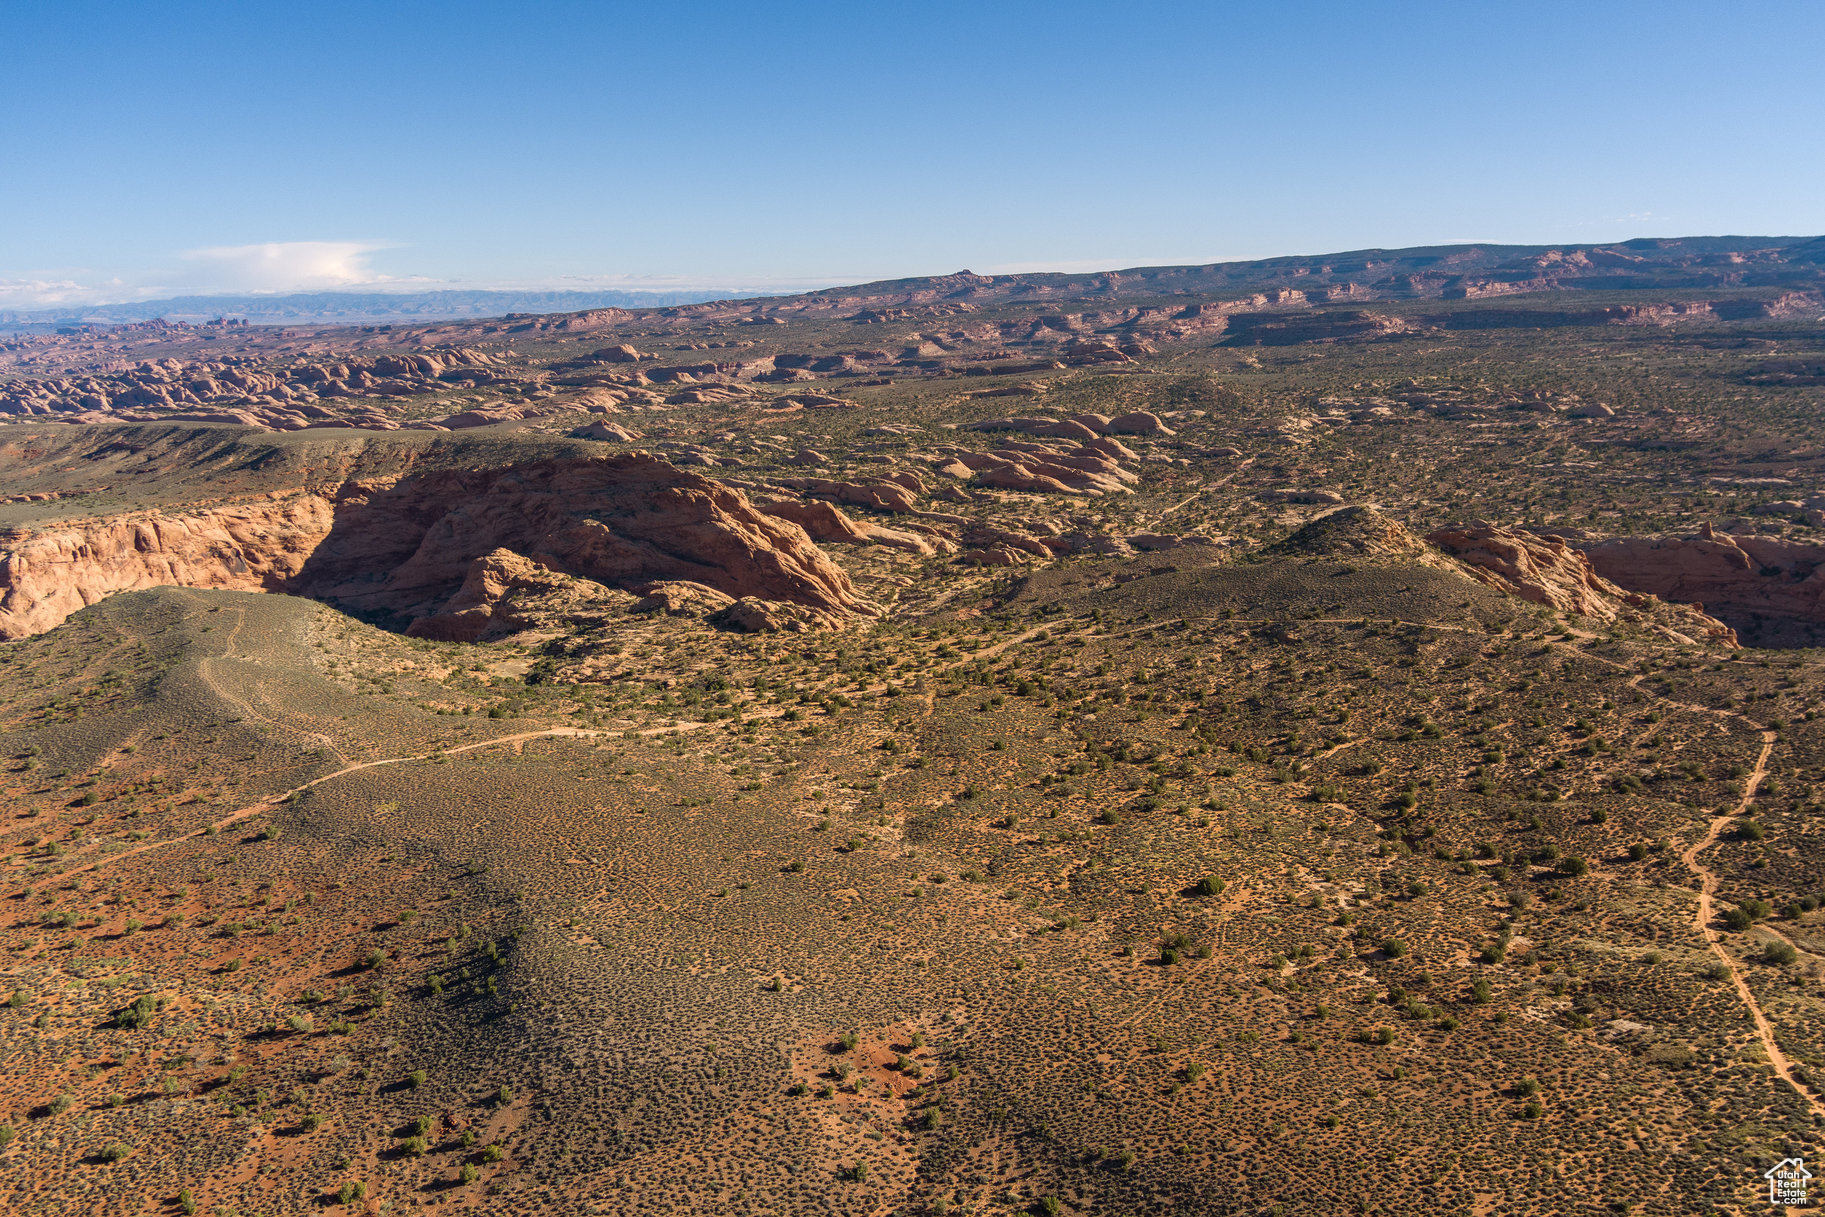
(771, 143)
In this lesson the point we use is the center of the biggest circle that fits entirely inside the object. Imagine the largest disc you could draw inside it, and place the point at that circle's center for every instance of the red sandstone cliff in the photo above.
(408, 547)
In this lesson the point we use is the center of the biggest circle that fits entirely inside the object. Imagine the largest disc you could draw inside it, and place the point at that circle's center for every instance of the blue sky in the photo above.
(147, 149)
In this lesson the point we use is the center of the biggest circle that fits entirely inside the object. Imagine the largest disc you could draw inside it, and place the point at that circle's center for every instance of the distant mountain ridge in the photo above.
(1439, 272)
(1421, 272)
(349, 307)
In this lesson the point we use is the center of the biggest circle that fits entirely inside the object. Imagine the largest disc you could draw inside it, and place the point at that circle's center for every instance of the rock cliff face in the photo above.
(48, 574)
(624, 521)
(1544, 570)
(1770, 588)
(1547, 570)
(410, 548)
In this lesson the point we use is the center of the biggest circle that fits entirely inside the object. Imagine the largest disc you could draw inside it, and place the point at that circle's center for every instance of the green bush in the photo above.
(137, 1015)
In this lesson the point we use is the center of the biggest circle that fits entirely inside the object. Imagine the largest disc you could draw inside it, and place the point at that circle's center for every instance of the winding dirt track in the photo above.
(274, 801)
(1707, 884)
(1764, 1030)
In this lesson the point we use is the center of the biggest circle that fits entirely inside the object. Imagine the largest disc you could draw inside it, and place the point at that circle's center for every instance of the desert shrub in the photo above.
(416, 1078)
(1209, 885)
(1780, 952)
(116, 1152)
(137, 1015)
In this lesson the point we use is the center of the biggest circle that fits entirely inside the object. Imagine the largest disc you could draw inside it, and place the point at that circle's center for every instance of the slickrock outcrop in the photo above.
(1546, 570)
(48, 574)
(430, 546)
(882, 495)
(624, 521)
(1139, 422)
(619, 353)
(1726, 574)
(1060, 428)
(504, 593)
(824, 522)
(273, 397)
(607, 431)
(682, 598)
(1298, 495)
(1088, 469)
(751, 615)
(1080, 426)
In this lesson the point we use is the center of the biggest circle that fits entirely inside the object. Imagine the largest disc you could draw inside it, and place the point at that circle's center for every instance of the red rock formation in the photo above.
(1083, 470)
(47, 574)
(411, 547)
(824, 522)
(882, 495)
(682, 598)
(504, 593)
(1726, 574)
(624, 521)
(1546, 570)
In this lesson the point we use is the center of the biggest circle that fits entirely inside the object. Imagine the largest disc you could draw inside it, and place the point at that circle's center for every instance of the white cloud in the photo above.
(42, 293)
(282, 266)
(274, 267)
